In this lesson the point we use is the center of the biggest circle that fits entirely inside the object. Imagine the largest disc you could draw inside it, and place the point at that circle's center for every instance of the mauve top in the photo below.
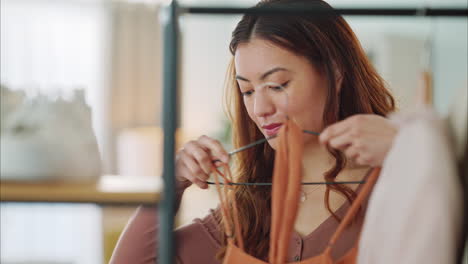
(200, 241)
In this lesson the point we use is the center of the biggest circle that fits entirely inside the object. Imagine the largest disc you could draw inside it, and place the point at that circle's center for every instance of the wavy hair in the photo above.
(328, 43)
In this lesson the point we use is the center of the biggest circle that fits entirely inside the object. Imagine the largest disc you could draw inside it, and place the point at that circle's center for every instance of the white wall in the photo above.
(205, 53)
(450, 61)
(205, 56)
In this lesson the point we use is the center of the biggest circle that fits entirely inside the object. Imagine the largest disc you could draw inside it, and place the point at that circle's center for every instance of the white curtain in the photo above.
(54, 47)
(136, 73)
(111, 49)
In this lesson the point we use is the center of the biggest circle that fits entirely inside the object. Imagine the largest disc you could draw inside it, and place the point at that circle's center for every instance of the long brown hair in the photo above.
(330, 45)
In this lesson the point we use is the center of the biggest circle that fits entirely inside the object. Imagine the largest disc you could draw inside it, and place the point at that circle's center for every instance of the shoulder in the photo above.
(206, 228)
(199, 241)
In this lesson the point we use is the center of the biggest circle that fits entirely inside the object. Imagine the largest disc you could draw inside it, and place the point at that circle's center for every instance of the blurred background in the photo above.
(112, 52)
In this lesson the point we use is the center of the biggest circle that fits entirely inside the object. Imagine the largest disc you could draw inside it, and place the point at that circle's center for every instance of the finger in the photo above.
(350, 123)
(190, 163)
(363, 160)
(201, 184)
(187, 174)
(183, 175)
(342, 141)
(334, 131)
(217, 163)
(201, 156)
(193, 166)
(215, 147)
(352, 152)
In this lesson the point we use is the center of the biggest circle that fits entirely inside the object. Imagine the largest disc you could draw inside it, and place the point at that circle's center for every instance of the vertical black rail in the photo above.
(166, 239)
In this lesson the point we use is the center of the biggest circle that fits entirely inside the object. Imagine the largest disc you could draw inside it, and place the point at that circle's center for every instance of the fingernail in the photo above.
(322, 137)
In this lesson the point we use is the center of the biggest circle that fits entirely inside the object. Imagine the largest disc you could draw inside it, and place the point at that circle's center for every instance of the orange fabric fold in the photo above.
(287, 178)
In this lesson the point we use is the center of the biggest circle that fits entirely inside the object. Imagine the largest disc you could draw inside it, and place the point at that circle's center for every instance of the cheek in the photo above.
(248, 105)
(283, 103)
(308, 111)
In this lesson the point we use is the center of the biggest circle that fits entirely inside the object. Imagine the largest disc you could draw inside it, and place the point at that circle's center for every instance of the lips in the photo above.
(272, 129)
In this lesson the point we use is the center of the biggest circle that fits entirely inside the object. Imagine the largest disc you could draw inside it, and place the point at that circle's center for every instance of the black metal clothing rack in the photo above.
(170, 16)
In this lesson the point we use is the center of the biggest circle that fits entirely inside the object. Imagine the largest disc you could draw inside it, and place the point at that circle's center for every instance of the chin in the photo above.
(307, 139)
(273, 143)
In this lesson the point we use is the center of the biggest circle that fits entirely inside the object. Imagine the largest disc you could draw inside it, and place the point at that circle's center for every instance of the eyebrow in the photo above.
(266, 74)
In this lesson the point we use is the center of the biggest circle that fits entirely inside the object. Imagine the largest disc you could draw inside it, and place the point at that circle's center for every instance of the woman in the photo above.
(330, 86)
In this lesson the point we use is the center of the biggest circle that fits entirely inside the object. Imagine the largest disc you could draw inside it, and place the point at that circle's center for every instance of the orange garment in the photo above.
(287, 177)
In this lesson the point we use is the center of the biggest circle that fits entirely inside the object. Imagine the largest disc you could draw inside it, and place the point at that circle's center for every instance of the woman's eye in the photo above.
(247, 93)
(277, 88)
(280, 87)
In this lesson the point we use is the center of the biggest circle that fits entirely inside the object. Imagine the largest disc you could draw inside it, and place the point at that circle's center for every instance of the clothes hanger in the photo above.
(425, 91)
(263, 140)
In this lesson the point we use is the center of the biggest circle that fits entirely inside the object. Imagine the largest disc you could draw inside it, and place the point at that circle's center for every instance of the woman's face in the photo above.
(301, 95)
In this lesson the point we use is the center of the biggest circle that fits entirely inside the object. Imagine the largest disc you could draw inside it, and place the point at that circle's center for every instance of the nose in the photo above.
(263, 105)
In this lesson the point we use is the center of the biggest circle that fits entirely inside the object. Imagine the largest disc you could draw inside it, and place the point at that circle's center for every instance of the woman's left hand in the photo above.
(365, 138)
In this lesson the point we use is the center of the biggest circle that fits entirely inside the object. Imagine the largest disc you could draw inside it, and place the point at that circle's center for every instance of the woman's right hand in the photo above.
(195, 160)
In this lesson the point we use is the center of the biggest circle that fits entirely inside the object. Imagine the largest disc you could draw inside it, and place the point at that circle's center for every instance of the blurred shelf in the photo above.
(110, 189)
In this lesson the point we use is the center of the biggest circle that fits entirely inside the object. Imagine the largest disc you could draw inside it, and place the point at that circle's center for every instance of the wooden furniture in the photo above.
(110, 189)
